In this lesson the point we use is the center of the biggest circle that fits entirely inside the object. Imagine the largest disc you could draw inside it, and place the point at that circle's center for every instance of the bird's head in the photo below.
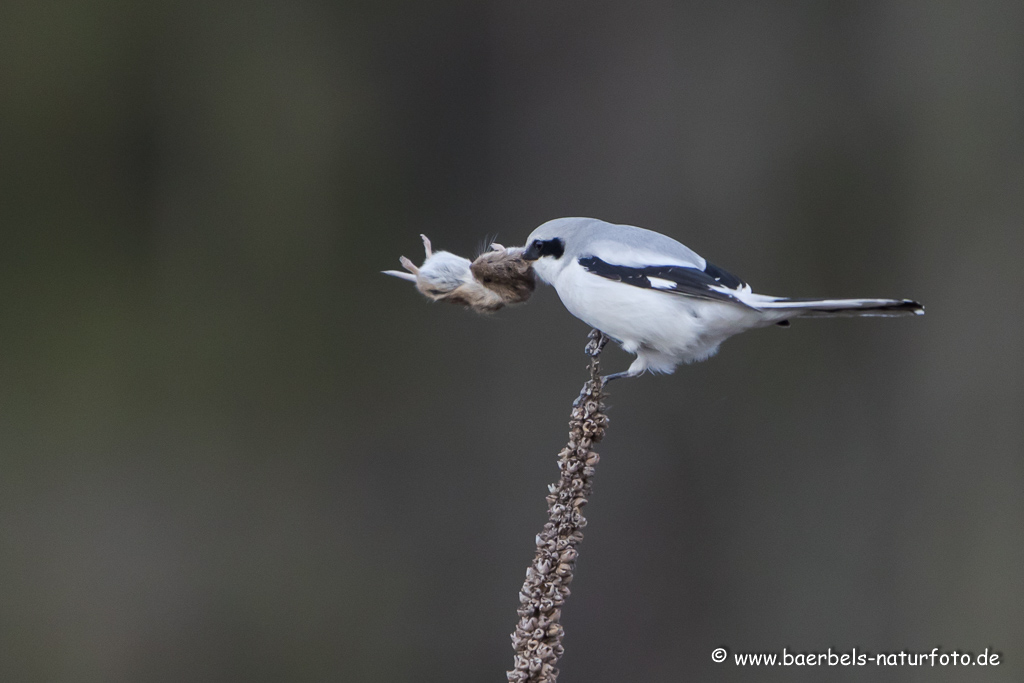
(551, 246)
(538, 248)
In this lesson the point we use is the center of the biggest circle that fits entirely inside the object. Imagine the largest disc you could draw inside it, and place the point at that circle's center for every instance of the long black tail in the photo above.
(832, 308)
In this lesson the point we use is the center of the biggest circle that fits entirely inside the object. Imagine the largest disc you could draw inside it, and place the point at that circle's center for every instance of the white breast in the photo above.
(685, 328)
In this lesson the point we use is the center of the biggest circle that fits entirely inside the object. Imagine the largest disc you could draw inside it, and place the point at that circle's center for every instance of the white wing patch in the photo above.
(659, 283)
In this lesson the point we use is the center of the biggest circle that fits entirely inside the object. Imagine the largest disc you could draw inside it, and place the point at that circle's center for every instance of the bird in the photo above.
(659, 299)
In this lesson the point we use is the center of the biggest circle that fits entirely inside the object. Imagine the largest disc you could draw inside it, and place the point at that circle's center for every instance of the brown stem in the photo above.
(538, 636)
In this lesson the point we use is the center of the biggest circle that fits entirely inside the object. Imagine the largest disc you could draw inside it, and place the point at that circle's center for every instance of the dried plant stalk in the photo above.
(538, 636)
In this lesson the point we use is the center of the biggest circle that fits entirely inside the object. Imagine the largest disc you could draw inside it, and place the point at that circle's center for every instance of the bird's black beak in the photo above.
(532, 252)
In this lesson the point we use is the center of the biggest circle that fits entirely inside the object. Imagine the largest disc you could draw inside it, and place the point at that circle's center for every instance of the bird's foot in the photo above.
(597, 342)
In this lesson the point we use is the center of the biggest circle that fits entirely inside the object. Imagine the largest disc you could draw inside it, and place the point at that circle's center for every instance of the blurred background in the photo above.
(231, 450)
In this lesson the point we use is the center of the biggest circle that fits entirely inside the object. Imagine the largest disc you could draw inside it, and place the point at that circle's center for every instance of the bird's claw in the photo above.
(598, 339)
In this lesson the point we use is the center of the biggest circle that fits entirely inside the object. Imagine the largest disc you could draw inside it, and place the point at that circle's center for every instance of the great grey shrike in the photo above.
(659, 299)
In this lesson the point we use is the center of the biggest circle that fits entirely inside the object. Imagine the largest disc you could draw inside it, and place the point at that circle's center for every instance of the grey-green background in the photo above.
(231, 450)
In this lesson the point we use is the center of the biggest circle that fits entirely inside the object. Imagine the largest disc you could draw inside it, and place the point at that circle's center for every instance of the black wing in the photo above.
(688, 281)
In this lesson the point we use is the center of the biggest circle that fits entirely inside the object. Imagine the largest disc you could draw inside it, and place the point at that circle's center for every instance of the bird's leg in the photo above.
(638, 367)
(618, 375)
(598, 340)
